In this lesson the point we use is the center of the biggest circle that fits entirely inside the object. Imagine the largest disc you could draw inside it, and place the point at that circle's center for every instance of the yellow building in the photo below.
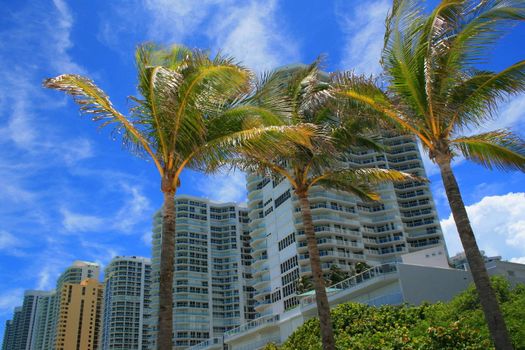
(79, 319)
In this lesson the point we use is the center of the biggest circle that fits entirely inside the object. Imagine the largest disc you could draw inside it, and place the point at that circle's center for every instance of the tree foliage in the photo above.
(458, 324)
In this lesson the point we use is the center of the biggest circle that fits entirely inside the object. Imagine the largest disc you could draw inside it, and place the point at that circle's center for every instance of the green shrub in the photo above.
(458, 324)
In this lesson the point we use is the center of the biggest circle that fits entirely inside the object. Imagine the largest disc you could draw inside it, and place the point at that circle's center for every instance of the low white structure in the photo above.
(422, 277)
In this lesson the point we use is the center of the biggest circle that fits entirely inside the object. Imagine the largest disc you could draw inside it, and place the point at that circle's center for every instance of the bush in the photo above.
(458, 324)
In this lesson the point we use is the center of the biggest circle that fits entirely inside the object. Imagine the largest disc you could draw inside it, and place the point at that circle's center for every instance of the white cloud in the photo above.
(509, 115)
(10, 244)
(9, 299)
(364, 27)
(251, 31)
(520, 260)
(498, 223)
(229, 187)
(253, 34)
(76, 150)
(133, 211)
(75, 222)
(147, 237)
(173, 21)
(60, 32)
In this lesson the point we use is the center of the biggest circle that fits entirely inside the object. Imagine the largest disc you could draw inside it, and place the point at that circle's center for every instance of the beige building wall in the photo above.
(79, 318)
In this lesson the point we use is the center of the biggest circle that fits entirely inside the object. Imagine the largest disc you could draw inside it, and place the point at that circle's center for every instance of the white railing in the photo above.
(354, 281)
(270, 319)
(207, 343)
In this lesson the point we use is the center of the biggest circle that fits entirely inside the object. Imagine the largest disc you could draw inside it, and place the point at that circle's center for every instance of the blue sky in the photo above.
(68, 191)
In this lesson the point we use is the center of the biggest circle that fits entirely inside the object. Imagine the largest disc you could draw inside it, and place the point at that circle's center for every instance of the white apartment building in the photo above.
(127, 283)
(348, 229)
(212, 268)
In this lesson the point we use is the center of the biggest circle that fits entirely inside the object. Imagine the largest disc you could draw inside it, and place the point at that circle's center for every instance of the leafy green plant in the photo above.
(458, 324)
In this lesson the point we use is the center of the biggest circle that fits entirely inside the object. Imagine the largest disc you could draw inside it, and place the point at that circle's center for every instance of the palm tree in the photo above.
(193, 110)
(436, 93)
(320, 164)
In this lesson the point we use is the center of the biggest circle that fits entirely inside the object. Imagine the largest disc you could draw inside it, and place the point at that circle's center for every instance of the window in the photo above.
(282, 198)
(286, 241)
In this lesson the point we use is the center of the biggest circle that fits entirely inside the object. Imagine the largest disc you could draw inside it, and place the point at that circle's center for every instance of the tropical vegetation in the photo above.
(311, 99)
(192, 111)
(436, 91)
(458, 324)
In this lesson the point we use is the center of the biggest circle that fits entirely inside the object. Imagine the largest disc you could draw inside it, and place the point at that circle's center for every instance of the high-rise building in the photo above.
(10, 330)
(34, 324)
(212, 270)
(127, 283)
(76, 273)
(41, 330)
(79, 315)
(348, 230)
(21, 331)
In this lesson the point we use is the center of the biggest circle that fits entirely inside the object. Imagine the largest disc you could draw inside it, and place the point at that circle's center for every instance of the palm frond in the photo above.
(495, 149)
(475, 31)
(94, 101)
(261, 142)
(364, 92)
(361, 181)
(476, 98)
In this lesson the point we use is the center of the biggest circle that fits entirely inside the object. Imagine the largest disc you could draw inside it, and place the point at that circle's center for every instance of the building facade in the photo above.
(348, 230)
(79, 317)
(34, 324)
(21, 332)
(212, 270)
(127, 283)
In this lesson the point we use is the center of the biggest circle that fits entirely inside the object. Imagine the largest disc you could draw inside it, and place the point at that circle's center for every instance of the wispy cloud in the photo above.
(76, 222)
(363, 27)
(9, 299)
(134, 209)
(252, 31)
(11, 245)
(227, 187)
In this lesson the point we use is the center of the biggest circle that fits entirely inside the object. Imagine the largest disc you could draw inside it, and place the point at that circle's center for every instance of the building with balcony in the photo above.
(211, 286)
(348, 230)
(21, 333)
(34, 324)
(127, 283)
(422, 276)
(79, 316)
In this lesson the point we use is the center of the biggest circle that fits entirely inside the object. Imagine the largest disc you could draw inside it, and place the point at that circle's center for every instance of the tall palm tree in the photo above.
(192, 110)
(436, 92)
(320, 164)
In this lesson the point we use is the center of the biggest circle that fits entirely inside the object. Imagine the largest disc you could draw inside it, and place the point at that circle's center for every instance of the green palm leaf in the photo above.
(495, 149)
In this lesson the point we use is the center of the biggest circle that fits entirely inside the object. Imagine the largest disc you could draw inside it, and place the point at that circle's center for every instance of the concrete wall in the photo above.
(433, 257)
(422, 283)
(515, 273)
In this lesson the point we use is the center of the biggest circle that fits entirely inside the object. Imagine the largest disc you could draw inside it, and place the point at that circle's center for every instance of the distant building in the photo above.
(459, 261)
(127, 298)
(79, 317)
(34, 324)
(21, 332)
(9, 341)
(212, 270)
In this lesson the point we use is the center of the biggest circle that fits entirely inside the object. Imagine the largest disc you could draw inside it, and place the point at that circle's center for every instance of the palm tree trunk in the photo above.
(165, 320)
(323, 308)
(487, 297)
